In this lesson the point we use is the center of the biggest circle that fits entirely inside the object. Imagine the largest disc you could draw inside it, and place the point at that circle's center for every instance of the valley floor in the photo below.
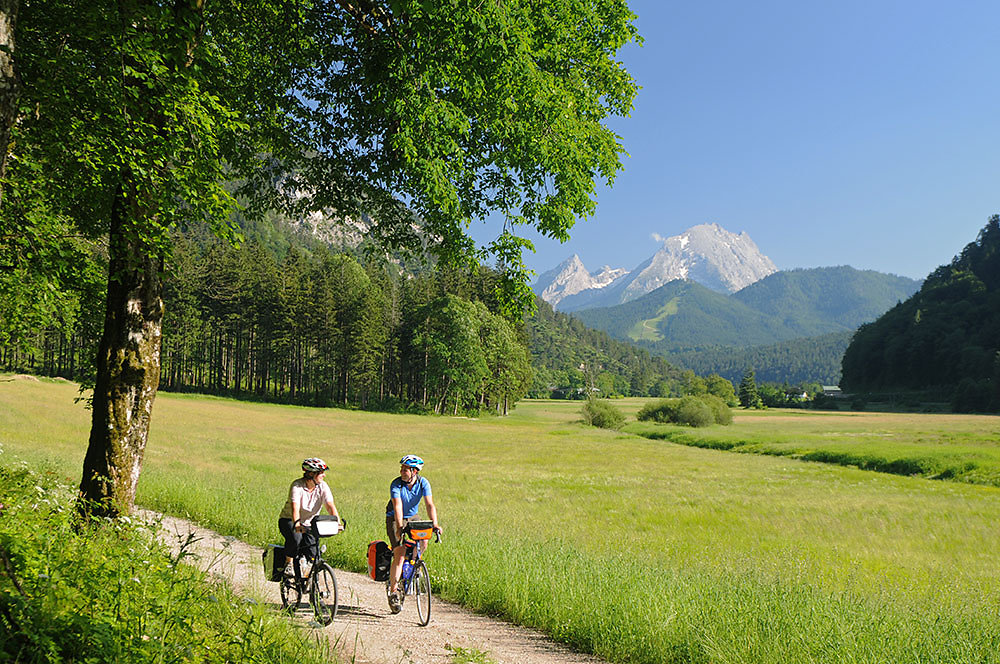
(365, 632)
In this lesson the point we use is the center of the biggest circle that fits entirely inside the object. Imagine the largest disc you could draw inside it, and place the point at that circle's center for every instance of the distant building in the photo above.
(832, 391)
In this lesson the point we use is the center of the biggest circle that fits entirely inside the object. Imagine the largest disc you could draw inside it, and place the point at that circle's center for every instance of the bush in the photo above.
(602, 414)
(696, 411)
(720, 409)
(663, 411)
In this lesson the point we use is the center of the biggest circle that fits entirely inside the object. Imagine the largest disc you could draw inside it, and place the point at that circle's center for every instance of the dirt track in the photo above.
(365, 631)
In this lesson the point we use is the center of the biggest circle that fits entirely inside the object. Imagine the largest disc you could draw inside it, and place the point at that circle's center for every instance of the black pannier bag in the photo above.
(274, 562)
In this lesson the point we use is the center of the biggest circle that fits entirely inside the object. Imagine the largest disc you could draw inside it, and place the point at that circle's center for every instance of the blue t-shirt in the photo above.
(410, 497)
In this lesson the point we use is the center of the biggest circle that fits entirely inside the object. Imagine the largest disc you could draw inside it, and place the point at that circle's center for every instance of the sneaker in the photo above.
(394, 604)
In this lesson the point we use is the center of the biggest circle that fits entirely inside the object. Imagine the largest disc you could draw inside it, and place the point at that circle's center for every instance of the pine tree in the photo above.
(749, 397)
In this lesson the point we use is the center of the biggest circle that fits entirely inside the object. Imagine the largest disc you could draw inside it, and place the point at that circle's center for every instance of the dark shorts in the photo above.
(395, 537)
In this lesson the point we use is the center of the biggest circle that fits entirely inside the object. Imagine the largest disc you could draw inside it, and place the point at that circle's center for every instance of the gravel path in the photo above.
(365, 632)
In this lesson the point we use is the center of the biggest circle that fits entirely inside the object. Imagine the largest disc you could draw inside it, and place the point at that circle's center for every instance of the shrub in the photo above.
(694, 412)
(689, 410)
(602, 414)
(720, 409)
(662, 411)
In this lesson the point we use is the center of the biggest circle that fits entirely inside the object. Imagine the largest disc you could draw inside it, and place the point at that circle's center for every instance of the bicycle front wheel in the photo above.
(421, 588)
(290, 594)
(323, 594)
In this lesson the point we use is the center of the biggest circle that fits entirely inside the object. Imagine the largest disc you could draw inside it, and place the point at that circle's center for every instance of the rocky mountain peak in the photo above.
(707, 253)
(571, 277)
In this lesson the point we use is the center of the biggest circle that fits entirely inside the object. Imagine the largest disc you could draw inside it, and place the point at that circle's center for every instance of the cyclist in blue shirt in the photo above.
(405, 493)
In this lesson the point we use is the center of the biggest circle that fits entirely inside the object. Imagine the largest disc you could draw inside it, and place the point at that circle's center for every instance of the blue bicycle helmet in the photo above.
(412, 460)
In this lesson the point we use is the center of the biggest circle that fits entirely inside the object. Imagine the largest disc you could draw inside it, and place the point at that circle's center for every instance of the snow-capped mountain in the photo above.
(708, 254)
(571, 277)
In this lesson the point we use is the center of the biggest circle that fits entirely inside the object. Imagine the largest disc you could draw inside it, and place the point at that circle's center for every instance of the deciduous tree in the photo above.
(422, 115)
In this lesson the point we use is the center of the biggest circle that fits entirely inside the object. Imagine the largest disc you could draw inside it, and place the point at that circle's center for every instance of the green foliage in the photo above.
(317, 327)
(460, 655)
(721, 413)
(749, 398)
(792, 325)
(662, 411)
(600, 413)
(696, 411)
(975, 396)
(564, 351)
(945, 337)
(108, 592)
(810, 359)
(448, 336)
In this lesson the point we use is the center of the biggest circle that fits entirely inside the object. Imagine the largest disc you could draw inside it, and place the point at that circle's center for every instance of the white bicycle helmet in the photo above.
(314, 465)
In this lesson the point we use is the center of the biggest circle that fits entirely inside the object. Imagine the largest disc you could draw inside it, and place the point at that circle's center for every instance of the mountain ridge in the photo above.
(707, 253)
(684, 316)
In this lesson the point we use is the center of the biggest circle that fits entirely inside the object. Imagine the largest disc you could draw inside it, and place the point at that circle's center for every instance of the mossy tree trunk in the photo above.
(128, 372)
(9, 87)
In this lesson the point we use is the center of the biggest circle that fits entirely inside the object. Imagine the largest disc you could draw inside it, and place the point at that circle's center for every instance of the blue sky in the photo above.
(834, 133)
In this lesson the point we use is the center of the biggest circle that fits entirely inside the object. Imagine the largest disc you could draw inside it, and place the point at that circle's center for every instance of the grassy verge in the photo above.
(106, 592)
(616, 544)
(963, 448)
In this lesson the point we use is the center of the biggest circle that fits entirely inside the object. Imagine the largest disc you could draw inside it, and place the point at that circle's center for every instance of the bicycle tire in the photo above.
(421, 587)
(323, 594)
(291, 594)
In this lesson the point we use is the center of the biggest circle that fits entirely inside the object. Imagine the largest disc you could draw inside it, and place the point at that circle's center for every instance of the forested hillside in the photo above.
(783, 306)
(791, 326)
(821, 300)
(567, 357)
(798, 361)
(685, 313)
(945, 337)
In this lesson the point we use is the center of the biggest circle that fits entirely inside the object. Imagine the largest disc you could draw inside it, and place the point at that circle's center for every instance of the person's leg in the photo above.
(308, 548)
(395, 541)
(293, 540)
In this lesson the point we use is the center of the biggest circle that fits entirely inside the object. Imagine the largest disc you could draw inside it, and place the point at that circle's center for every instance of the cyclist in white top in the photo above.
(307, 496)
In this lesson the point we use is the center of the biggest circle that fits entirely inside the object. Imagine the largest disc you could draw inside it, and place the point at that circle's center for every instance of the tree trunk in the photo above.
(128, 373)
(9, 86)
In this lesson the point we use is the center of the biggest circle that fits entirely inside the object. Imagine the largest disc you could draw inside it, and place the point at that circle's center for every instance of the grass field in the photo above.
(636, 549)
(964, 448)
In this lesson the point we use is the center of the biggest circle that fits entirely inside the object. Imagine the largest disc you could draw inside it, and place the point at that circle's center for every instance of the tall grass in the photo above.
(107, 592)
(631, 548)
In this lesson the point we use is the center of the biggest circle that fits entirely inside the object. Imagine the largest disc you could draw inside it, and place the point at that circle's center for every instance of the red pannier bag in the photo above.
(379, 560)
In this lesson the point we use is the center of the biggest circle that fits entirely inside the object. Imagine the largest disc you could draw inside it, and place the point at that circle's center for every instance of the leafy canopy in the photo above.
(416, 117)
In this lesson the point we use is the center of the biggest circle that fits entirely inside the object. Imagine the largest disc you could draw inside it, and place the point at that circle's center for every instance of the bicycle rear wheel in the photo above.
(323, 594)
(421, 588)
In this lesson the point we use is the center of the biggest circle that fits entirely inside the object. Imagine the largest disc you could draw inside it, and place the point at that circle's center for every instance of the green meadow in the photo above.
(636, 549)
(964, 448)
